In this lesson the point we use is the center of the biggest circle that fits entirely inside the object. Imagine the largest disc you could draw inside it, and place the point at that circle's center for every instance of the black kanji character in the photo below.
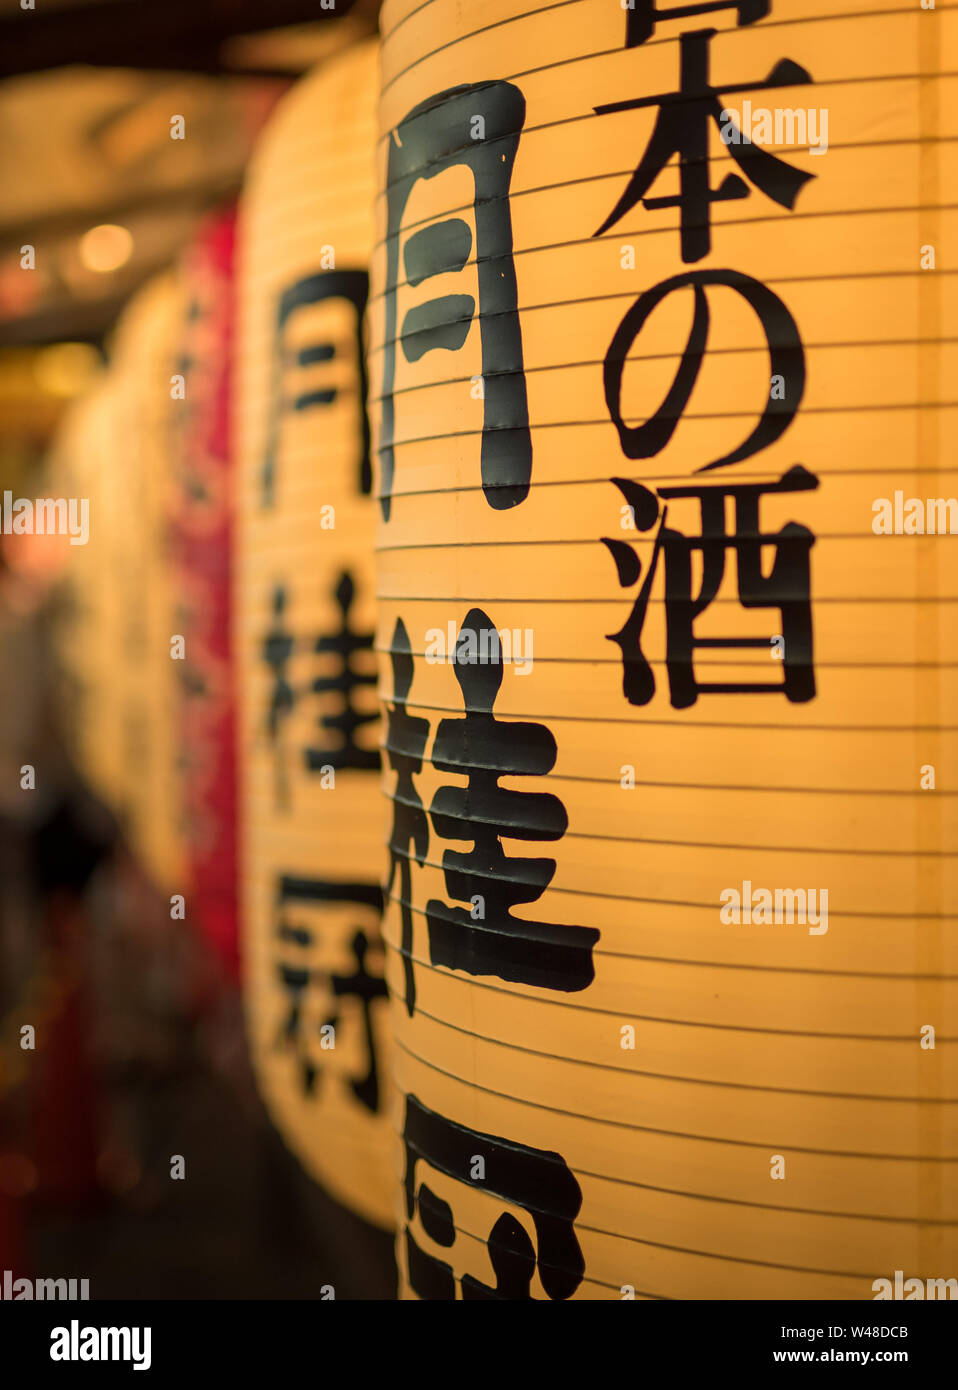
(482, 748)
(537, 1181)
(406, 738)
(344, 644)
(296, 979)
(435, 136)
(786, 587)
(277, 651)
(352, 286)
(642, 15)
(786, 361)
(682, 129)
(364, 987)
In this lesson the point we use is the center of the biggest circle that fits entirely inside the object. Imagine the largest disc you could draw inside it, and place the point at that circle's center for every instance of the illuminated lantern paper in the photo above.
(137, 494)
(88, 660)
(311, 855)
(640, 385)
(117, 683)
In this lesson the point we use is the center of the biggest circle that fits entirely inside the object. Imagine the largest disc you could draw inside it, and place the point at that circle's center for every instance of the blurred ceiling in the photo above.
(187, 35)
(85, 145)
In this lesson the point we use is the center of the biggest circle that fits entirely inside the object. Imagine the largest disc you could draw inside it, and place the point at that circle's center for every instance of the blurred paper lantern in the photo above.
(201, 539)
(311, 817)
(140, 489)
(67, 369)
(117, 678)
(642, 384)
(86, 455)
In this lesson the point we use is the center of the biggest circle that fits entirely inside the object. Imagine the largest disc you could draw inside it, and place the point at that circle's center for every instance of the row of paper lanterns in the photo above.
(650, 457)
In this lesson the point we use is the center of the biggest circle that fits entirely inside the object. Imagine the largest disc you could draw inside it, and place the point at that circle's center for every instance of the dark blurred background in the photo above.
(143, 1051)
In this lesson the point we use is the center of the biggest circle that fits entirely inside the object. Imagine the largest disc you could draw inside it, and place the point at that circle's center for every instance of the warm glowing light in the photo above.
(66, 369)
(106, 248)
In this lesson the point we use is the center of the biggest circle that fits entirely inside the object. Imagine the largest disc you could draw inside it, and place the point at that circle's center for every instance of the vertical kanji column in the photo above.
(310, 860)
(660, 335)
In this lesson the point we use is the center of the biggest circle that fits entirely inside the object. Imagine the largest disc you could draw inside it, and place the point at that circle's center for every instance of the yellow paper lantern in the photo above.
(148, 391)
(118, 677)
(90, 677)
(660, 361)
(310, 812)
